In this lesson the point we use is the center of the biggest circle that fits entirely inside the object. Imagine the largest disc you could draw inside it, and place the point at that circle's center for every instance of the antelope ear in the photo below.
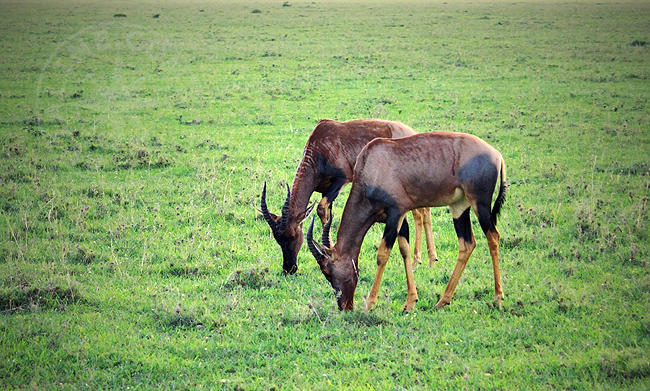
(273, 215)
(306, 213)
(328, 251)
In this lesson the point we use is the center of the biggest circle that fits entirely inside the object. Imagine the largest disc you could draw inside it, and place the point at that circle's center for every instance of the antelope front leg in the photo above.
(418, 218)
(383, 253)
(323, 210)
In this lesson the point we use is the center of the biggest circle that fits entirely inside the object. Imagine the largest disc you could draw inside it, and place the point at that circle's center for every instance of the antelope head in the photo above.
(286, 231)
(342, 274)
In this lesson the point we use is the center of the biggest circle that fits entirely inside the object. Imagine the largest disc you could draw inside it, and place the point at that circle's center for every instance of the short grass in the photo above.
(136, 138)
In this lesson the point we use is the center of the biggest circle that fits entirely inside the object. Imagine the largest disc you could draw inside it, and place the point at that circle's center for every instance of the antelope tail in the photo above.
(501, 197)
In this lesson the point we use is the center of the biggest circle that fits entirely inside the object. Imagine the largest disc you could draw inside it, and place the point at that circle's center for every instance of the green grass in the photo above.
(134, 150)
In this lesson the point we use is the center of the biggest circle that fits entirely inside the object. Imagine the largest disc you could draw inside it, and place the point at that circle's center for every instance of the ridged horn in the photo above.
(326, 232)
(314, 247)
(284, 220)
(265, 212)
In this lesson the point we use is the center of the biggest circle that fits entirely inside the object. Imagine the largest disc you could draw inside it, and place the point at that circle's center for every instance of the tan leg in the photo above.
(466, 244)
(428, 232)
(464, 251)
(412, 294)
(418, 218)
(383, 253)
(493, 243)
(323, 210)
(324, 213)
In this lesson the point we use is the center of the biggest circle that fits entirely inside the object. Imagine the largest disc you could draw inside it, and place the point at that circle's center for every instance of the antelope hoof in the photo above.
(408, 306)
(498, 300)
(442, 303)
(432, 262)
(370, 306)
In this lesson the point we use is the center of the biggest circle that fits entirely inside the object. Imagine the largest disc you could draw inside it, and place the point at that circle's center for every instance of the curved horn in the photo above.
(265, 211)
(314, 247)
(284, 220)
(326, 232)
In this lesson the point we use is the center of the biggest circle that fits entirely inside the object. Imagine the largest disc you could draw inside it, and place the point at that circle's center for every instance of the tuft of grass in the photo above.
(365, 319)
(249, 279)
(29, 298)
(627, 364)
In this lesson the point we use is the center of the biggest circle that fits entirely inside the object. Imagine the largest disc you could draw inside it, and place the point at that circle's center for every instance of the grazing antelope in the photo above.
(327, 165)
(392, 177)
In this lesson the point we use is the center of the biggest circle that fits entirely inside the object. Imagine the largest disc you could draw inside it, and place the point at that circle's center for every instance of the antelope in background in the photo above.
(392, 177)
(327, 165)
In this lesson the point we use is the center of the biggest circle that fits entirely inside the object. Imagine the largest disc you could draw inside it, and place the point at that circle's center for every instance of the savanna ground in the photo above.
(136, 137)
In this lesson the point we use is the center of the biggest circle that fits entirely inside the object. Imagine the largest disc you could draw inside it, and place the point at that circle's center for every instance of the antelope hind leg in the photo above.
(428, 232)
(418, 218)
(466, 245)
(493, 243)
(492, 235)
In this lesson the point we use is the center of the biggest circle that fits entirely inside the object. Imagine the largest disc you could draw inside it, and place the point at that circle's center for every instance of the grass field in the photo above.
(136, 137)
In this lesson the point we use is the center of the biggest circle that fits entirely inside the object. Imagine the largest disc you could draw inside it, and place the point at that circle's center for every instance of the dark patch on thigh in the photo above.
(479, 175)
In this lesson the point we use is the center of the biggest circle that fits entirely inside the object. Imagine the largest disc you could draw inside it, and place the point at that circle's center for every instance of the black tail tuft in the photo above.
(501, 197)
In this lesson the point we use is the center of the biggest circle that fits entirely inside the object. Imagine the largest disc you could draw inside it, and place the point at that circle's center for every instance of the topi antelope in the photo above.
(392, 177)
(327, 165)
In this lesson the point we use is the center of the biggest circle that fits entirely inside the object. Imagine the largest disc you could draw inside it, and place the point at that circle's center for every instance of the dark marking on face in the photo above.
(343, 287)
(337, 290)
(290, 247)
